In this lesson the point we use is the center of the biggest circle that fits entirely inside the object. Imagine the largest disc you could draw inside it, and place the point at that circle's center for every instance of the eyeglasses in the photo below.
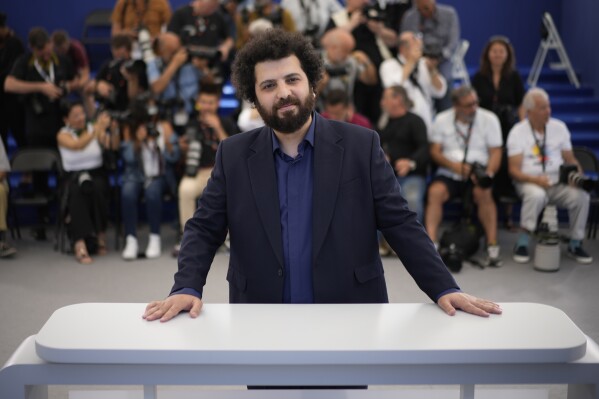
(470, 104)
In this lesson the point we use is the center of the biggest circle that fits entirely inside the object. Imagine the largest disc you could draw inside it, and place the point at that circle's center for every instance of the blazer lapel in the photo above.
(263, 180)
(328, 160)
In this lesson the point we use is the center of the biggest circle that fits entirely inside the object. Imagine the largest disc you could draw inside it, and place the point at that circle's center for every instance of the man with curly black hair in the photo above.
(302, 199)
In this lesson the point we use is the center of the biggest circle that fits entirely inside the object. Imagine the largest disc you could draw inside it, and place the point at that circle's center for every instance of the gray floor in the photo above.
(39, 281)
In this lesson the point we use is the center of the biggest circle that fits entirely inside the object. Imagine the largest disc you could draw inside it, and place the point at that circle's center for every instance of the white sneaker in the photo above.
(493, 259)
(154, 247)
(131, 248)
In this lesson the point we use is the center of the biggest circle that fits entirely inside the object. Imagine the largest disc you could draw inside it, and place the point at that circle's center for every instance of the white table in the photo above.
(280, 345)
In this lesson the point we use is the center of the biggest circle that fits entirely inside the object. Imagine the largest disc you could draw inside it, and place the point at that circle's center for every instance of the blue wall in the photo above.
(579, 32)
(517, 19)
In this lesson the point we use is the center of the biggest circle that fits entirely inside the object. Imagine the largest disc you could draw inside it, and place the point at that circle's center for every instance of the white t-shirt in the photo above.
(87, 158)
(521, 141)
(485, 134)
(391, 72)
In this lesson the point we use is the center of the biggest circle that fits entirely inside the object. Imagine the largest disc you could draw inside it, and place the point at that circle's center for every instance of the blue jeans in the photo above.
(413, 188)
(130, 195)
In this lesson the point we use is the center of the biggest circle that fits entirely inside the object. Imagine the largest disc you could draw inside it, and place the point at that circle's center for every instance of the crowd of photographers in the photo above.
(150, 115)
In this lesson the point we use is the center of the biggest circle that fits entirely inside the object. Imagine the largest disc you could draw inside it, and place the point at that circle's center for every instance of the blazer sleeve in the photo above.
(403, 232)
(204, 233)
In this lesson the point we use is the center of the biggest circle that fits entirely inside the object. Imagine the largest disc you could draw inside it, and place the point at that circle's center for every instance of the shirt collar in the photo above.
(309, 136)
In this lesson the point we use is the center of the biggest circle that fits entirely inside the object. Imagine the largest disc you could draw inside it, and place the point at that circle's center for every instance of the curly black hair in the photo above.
(272, 45)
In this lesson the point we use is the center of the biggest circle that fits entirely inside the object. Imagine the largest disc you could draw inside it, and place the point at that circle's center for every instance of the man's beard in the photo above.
(291, 121)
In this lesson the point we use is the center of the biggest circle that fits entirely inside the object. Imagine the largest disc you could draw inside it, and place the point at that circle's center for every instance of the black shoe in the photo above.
(39, 234)
(580, 255)
(521, 254)
(6, 250)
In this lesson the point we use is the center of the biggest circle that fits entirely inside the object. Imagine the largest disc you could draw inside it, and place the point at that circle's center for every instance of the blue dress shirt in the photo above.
(295, 178)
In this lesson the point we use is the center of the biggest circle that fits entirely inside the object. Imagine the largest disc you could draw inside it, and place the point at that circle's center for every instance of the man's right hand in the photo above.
(50, 90)
(172, 306)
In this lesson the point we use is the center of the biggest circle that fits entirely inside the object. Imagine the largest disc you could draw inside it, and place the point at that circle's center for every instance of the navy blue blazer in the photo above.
(355, 193)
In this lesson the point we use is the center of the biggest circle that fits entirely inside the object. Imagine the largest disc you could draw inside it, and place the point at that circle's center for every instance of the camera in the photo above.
(568, 174)
(432, 50)
(336, 71)
(373, 13)
(452, 256)
(85, 182)
(194, 153)
(152, 130)
(480, 173)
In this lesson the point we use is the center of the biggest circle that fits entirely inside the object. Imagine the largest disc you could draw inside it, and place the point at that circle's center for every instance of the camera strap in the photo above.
(465, 137)
(539, 149)
(49, 76)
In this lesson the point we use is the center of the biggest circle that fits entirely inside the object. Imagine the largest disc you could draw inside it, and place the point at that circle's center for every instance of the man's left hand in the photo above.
(467, 303)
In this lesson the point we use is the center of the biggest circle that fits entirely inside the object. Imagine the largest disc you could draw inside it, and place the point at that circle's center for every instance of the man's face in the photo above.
(541, 112)
(207, 103)
(204, 7)
(337, 112)
(426, 7)
(62, 49)
(466, 107)
(391, 103)
(284, 98)
(45, 53)
(120, 53)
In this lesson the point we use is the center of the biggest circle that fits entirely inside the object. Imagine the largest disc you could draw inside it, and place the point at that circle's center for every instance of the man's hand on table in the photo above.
(467, 303)
(172, 306)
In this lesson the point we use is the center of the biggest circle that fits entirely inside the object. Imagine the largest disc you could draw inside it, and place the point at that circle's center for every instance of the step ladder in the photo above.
(551, 41)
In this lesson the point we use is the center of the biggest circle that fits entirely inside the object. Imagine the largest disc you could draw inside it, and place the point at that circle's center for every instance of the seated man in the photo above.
(537, 147)
(465, 139)
(200, 142)
(338, 107)
(405, 142)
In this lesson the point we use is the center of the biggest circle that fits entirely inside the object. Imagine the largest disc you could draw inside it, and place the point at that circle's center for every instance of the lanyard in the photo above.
(539, 150)
(48, 77)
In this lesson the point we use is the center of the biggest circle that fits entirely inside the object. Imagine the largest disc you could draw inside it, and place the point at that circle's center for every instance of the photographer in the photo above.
(342, 66)
(311, 16)
(373, 37)
(174, 81)
(439, 26)
(466, 144)
(42, 77)
(200, 142)
(81, 147)
(537, 148)
(147, 149)
(129, 16)
(417, 74)
(257, 9)
(204, 31)
(111, 88)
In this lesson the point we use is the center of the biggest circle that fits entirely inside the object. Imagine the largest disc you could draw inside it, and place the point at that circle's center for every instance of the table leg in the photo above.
(466, 391)
(583, 391)
(150, 392)
(36, 392)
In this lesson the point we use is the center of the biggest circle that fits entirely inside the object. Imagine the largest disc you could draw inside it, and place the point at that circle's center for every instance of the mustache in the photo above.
(287, 101)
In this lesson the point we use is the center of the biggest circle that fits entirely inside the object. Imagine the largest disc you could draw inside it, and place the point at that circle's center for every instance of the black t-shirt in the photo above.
(405, 137)
(504, 101)
(209, 31)
(42, 116)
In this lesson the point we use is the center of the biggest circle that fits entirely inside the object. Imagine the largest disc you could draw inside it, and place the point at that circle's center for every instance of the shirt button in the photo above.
(280, 272)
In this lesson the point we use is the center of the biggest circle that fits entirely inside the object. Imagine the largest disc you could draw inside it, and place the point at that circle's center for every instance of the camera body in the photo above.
(480, 173)
(452, 256)
(432, 51)
(194, 152)
(210, 54)
(336, 71)
(568, 174)
(373, 13)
